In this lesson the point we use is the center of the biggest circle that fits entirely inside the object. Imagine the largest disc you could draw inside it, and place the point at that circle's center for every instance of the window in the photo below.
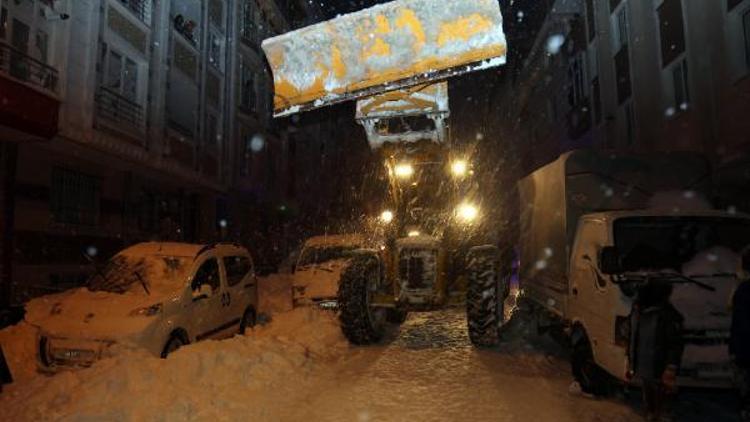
(42, 45)
(597, 93)
(621, 28)
(680, 79)
(671, 30)
(216, 12)
(622, 71)
(3, 22)
(248, 25)
(74, 198)
(249, 94)
(731, 4)
(121, 76)
(237, 267)
(630, 123)
(746, 26)
(591, 19)
(215, 48)
(212, 129)
(208, 273)
(576, 92)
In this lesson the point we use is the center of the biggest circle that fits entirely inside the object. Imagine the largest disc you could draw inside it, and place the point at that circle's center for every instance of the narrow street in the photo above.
(430, 371)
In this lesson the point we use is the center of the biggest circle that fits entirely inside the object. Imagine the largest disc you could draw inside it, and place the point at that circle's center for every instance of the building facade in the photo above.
(131, 120)
(638, 76)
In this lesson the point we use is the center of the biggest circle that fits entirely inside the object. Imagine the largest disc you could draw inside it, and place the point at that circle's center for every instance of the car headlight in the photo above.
(147, 311)
(403, 170)
(459, 168)
(386, 217)
(467, 213)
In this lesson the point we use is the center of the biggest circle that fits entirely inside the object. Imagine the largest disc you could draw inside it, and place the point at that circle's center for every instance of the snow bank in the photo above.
(208, 380)
(275, 294)
(19, 348)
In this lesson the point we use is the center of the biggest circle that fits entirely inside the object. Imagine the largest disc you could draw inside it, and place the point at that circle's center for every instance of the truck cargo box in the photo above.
(554, 197)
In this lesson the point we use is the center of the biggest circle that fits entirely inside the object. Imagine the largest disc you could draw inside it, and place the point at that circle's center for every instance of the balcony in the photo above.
(140, 8)
(30, 106)
(115, 109)
(27, 69)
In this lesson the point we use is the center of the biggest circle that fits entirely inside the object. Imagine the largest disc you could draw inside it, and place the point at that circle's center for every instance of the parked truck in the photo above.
(596, 228)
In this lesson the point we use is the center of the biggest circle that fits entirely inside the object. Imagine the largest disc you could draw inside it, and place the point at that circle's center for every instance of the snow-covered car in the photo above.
(319, 268)
(155, 296)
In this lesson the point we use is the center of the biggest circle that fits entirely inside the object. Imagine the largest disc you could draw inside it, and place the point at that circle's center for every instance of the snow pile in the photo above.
(208, 380)
(19, 347)
(275, 294)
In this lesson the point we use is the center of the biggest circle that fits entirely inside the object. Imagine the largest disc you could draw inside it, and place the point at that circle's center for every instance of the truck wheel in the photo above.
(396, 316)
(484, 297)
(361, 323)
(586, 372)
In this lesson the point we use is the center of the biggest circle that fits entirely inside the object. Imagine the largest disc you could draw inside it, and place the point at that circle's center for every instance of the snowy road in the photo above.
(300, 368)
(429, 371)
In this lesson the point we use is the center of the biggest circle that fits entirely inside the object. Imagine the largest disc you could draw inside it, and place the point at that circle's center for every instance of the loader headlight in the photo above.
(467, 213)
(403, 170)
(386, 217)
(459, 168)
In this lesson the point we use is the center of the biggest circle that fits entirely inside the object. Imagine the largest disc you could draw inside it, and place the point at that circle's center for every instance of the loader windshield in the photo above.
(666, 243)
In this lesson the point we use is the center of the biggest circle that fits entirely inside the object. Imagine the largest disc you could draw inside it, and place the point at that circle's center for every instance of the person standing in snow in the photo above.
(656, 348)
(739, 339)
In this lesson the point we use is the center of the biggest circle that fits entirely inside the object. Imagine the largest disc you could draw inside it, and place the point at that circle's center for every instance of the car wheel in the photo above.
(175, 342)
(248, 320)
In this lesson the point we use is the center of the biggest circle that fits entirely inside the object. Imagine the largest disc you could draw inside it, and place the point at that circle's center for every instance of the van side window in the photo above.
(208, 273)
(237, 268)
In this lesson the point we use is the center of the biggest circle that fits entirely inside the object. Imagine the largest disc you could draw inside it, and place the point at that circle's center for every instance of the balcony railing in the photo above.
(112, 106)
(140, 9)
(27, 69)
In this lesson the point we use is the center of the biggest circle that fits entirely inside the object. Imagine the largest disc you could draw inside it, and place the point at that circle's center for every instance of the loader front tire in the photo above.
(361, 323)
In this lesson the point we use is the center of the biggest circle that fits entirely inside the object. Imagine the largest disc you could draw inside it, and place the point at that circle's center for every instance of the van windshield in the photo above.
(666, 243)
(141, 274)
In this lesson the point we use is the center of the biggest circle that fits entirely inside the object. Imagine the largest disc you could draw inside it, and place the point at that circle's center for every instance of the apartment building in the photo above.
(639, 76)
(130, 120)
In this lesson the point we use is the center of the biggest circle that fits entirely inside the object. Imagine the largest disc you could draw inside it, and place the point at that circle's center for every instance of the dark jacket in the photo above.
(739, 340)
(656, 340)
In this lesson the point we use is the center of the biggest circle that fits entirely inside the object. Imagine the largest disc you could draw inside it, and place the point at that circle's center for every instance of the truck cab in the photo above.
(597, 227)
(696, 252)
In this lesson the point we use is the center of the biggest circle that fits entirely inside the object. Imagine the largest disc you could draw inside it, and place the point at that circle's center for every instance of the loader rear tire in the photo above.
(361, 323)
(484, 297)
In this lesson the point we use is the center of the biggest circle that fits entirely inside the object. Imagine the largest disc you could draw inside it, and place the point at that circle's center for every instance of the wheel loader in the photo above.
(441, 245)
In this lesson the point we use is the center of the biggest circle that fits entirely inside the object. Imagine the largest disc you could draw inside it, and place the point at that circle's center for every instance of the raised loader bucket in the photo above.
(386, 47)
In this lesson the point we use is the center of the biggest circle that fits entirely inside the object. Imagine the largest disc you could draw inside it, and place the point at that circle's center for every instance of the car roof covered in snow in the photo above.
(188, 250)
(336, 240)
